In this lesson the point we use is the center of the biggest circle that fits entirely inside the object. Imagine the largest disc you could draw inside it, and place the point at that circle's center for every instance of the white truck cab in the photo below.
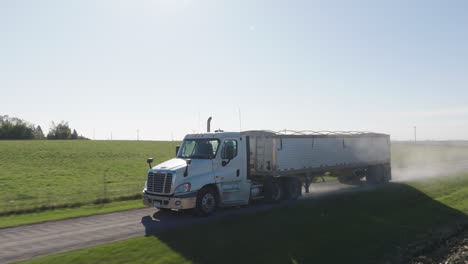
(210, 168)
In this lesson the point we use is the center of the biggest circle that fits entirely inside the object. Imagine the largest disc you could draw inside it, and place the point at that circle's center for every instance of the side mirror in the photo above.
(177, 149)
(149, 161)
(229, 154)
(188, 161)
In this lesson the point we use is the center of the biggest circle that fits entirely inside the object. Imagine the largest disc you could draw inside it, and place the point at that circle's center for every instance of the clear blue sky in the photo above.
(163, 67)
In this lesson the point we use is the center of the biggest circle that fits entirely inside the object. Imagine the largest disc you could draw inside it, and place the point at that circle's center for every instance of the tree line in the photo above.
(16, 128)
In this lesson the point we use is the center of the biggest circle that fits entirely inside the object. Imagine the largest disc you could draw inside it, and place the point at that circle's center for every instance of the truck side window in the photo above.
(229, 149)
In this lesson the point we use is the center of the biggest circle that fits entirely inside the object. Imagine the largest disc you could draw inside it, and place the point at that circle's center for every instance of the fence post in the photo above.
(104, 185)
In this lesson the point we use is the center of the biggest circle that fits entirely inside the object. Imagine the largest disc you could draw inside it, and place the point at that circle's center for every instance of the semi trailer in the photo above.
(221, 169)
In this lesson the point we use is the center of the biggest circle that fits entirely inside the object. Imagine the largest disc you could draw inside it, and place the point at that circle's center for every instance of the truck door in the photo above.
(232, 172)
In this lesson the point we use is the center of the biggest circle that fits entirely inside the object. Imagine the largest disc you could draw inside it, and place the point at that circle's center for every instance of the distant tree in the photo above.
(81, 137)
(59, 131)
(74, 135)
(15, 128)
(38, 134)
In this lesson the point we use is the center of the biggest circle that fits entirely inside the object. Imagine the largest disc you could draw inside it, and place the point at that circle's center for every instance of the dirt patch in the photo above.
(452, 251)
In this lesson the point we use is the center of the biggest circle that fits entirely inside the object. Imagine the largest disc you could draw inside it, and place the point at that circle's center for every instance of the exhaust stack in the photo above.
(208, 124)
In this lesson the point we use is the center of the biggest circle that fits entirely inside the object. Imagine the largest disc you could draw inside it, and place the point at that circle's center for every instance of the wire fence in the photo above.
(99, 194)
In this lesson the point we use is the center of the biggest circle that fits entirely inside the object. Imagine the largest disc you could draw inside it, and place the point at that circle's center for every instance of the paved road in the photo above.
(28, 241)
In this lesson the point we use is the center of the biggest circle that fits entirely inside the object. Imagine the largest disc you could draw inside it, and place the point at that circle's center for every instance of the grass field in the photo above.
(385, 225)
(67, 212)
(35, 174)
(71, 176)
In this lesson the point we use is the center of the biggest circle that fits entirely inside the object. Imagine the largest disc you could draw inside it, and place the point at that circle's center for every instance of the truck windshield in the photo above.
(198, 149)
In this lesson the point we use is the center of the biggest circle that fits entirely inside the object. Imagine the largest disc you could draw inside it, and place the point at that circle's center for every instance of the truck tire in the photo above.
(384, 173)
(376, 175)
(292, 188)
(273, 190)
(371, 175)
(207, 201)
(388, 172)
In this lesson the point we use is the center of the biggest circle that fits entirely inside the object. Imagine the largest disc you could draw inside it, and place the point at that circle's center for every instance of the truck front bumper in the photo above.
(179, 201)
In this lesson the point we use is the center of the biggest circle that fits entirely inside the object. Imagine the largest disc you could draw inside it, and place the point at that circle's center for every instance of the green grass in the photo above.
(451, 191)
(384, 225)
(34, 174)
(65, 213)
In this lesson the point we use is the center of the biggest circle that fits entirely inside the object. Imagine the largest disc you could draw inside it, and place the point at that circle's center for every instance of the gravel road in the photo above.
(19, 243)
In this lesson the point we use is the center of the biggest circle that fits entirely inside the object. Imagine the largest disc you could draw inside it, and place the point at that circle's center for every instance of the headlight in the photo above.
(146, 185)
(182, 188)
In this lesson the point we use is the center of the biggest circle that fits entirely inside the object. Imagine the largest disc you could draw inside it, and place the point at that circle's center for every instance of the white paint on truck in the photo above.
(273, 153)
(233, 168)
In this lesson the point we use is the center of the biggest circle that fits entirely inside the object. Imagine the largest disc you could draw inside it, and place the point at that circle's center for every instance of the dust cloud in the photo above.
(426, 159)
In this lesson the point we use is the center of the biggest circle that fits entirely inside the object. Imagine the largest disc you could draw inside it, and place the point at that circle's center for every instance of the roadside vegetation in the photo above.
(39, 175)
(388, 224)
(40, 216)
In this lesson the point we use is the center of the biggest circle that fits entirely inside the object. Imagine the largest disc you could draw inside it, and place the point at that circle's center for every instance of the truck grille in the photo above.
(159, 182)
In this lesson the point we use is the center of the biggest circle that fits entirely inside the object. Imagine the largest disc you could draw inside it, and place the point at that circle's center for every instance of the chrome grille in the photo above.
(159, 182)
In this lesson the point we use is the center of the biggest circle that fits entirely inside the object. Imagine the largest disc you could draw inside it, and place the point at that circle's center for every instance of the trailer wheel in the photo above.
(273, 191)
(206, 201)
(292, 188)
(376, 175)
(371, 175)
(388, 173)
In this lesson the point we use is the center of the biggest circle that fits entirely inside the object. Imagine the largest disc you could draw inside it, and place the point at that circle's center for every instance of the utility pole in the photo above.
(94, 133)
(138, 134)
(414, 133)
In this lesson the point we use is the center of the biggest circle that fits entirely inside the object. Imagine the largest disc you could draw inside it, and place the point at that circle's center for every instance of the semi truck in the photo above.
(221, 169)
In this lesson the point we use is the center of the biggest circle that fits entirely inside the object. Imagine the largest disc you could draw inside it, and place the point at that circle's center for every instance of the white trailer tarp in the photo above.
(270, 152)
(316, 152)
